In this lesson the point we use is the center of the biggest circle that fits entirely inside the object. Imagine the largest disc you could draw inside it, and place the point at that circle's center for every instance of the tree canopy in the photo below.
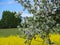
(9, 20)
(45, 18)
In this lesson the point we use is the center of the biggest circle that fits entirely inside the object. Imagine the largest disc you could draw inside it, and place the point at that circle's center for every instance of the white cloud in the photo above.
(10, 2)
(26, 14)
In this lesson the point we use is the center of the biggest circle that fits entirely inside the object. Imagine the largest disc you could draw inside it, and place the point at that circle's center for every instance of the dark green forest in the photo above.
(9, 20)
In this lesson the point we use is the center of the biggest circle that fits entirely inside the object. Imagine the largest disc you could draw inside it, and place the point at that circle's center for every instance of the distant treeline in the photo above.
(9, 20)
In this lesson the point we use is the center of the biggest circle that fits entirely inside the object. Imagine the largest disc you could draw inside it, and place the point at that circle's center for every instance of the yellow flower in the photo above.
(15, 40)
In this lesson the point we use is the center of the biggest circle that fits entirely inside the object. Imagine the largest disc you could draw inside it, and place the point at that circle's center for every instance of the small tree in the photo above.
(44, 18)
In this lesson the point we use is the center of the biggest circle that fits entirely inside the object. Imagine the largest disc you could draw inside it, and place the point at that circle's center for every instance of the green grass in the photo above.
(8, 32)
(11, 31)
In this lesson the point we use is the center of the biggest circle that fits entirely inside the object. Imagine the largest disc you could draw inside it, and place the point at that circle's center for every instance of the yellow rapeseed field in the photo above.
(15, 40)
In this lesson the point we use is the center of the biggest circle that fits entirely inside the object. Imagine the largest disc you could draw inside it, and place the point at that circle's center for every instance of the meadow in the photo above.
(8, 32)
(10, 37)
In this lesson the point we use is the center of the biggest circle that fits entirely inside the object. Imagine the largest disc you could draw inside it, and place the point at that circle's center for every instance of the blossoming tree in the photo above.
(44, 20)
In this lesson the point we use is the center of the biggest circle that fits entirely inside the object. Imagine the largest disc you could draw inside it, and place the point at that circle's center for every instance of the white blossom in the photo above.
(43, 20)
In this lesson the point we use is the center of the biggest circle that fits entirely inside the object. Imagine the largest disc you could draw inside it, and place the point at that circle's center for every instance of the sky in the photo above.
(12, 5)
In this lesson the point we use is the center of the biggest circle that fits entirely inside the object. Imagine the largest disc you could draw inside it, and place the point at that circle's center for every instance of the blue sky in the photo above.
(11, 5)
